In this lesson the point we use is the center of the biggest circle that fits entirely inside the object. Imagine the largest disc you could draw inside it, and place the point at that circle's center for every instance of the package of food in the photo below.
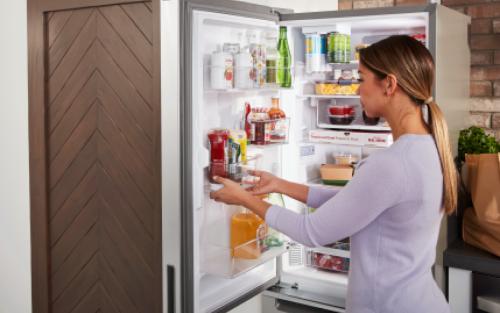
(327, 87)
(357, 138)
(345, 157)
(336, 174)
(357, 48)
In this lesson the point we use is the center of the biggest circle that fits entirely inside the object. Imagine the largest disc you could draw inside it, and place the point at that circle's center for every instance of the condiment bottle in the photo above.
(217, 141)
(278, 124)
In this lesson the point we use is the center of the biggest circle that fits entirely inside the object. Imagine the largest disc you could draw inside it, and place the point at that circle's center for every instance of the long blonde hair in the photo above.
(412, 65)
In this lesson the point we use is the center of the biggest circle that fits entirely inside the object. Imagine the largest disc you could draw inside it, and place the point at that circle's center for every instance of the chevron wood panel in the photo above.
(100, 153)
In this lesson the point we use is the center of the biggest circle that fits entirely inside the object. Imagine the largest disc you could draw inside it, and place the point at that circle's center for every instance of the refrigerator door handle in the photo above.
(170, 289)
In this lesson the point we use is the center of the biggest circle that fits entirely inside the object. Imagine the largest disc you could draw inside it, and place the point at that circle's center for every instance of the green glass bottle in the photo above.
(285, 62)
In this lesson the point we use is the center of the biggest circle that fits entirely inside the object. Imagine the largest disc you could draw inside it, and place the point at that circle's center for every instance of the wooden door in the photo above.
(102, 184)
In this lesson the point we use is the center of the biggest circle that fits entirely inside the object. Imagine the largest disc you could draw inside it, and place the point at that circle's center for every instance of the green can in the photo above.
(330, 51)
(347, 53)
(340, 49)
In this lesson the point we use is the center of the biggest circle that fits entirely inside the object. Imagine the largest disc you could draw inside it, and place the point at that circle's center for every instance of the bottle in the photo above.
(272, 59)
(284, 64)
(251, 38)
(217, 140)
(231, 155)
(275, 237)
(245, 229)
(278, 126)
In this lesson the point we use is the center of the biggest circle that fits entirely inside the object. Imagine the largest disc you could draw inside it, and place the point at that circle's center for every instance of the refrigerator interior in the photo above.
(311, 111)
(297, 161)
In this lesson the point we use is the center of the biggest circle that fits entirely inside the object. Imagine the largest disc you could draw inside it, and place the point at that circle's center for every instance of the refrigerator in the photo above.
(199, 272)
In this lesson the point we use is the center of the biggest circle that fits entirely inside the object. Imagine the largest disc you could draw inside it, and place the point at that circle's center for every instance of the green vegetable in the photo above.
(474, 140)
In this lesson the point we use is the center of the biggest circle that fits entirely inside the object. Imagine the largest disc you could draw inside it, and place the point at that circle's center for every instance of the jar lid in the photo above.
(344, 154)
(331, 81)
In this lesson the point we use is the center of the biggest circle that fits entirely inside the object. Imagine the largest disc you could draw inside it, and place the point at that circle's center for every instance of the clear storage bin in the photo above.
(220, 261)
(332, 257)
(237, 172)
(244, 78)
(268, 132)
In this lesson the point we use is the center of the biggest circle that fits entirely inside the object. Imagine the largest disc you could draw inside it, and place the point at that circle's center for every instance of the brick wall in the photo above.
(485, 53)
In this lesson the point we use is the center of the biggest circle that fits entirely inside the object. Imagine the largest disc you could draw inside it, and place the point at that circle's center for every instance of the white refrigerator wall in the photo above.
(15, 265)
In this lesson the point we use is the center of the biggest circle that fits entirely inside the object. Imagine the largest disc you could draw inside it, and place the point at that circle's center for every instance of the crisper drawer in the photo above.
(485, 293)
(333, 257)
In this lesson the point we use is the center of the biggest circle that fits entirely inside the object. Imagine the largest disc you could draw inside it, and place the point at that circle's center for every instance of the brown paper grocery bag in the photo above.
(481, 226)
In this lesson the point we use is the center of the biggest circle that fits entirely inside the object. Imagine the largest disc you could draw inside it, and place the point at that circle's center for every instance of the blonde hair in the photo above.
(412, 65)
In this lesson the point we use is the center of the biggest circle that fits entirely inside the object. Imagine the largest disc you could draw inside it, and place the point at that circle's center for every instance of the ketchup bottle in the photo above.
(217, 140)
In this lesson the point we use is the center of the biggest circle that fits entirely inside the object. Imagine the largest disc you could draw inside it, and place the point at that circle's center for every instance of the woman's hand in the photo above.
(232, 193)
(266, 183)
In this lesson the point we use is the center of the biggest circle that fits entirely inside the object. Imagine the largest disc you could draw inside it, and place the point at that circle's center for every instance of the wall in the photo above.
(485, 56)
(15, 268)
(485, 61)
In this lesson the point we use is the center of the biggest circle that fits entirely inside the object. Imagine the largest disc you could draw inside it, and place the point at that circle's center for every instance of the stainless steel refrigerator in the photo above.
(199, 272)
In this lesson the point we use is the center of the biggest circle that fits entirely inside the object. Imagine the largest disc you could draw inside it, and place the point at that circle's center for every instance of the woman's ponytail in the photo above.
(439, 130)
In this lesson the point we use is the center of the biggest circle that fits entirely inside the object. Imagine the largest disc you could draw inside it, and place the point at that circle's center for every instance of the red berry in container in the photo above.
(337, 267)
(337, 260)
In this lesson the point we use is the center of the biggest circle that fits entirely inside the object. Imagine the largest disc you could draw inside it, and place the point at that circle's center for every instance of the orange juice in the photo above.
(246, 227)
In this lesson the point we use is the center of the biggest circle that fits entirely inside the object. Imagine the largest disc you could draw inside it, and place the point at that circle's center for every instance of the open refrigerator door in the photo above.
(234, 253)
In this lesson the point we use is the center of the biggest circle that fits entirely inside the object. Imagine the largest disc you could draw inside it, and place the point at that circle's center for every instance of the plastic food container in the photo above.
(337, 87)
(327, 87)
(341, 114)
(329, 262)
(345, 157)
(370, 120)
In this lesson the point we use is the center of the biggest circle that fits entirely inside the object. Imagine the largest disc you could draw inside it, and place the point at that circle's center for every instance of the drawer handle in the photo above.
(488, 305)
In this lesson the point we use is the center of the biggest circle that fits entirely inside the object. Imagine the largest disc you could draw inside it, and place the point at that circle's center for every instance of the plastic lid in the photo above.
(219, 131)
(345, 82)
(344, 154)
(334, 81)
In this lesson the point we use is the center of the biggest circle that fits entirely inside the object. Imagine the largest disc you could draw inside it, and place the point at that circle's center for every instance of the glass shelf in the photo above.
(314, 96)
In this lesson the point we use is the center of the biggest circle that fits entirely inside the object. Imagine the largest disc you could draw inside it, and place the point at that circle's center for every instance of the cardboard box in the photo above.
(356, 138)
(336, 174)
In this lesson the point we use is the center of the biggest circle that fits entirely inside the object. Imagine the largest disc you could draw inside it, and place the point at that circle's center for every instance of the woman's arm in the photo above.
(314, 197)
(378, 185)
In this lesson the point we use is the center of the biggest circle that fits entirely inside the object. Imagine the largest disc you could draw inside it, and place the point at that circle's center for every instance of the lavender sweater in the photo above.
(391, 211)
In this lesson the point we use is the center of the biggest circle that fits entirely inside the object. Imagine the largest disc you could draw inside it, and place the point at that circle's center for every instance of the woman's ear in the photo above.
(391, 84)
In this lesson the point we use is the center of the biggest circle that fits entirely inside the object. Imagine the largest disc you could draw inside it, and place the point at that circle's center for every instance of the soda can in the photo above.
(330, 47)
(313, 53)
(232, 48)
(324, 47)
(347, 53)
(339, 48)
(258, 53)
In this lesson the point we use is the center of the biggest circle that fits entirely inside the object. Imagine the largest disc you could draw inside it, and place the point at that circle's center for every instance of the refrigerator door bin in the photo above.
(237, 172)
(267, 132)
(221, 261)
(244, 78)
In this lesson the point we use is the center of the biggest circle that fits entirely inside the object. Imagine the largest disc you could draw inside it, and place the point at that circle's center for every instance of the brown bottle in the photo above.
(278, 126)
(275, 113)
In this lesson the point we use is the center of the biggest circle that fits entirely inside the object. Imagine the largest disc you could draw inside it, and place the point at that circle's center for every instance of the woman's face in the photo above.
(372, 92)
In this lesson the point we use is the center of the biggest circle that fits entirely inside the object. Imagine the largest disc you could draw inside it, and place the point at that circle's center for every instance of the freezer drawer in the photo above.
(292, 300)
(485, 293)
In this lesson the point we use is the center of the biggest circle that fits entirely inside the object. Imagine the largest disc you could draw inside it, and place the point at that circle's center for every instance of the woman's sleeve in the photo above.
(317, 196)
(379, 183)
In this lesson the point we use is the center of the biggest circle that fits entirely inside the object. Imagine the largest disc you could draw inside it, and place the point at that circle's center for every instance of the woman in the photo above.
(393, 206)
